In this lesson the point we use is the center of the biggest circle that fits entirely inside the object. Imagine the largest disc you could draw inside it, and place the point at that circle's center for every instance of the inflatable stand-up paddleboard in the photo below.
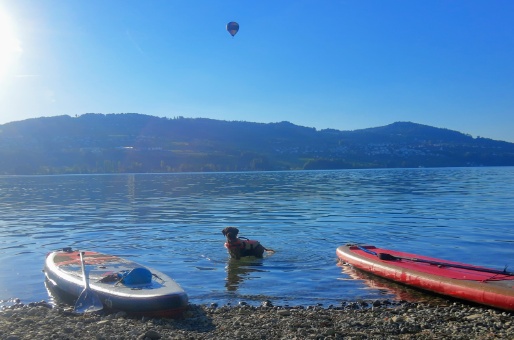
(490, 287)
(120, 284)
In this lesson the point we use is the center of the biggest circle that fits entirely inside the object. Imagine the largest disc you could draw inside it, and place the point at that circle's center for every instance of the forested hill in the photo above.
(134, 143)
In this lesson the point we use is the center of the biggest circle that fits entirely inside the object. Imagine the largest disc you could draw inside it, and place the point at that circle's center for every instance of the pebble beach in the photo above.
(354, 320)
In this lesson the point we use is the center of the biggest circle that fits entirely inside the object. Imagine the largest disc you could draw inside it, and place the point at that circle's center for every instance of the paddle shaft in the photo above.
(86, 281)
(385, 256)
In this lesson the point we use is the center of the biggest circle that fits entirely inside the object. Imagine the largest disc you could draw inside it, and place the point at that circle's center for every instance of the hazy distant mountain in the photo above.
(97, 143)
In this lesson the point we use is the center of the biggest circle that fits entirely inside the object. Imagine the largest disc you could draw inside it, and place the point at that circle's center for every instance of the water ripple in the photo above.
(173, 223)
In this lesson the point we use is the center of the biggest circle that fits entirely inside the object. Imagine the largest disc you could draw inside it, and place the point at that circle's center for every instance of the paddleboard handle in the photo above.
(387, 257)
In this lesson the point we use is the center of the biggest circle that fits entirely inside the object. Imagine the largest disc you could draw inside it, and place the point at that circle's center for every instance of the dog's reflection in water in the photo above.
(240, 270)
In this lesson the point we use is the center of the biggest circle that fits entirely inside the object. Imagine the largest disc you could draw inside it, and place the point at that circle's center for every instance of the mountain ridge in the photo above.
(132, 142)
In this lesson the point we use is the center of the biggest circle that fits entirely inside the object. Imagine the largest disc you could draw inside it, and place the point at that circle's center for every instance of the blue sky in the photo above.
(319, 63)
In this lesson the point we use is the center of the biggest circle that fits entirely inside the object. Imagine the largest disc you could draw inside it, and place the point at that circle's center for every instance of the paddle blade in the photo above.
(88, 302)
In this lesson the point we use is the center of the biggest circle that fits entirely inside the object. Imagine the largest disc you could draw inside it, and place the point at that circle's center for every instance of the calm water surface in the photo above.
(173, 222)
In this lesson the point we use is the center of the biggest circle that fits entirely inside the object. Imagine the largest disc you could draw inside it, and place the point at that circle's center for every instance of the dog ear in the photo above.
(225, 231)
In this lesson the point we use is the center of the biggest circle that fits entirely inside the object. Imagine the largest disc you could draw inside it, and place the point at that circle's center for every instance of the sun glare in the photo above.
(10, 46)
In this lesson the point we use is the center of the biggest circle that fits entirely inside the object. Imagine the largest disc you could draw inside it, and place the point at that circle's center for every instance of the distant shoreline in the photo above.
(135, 143)
(246, 171)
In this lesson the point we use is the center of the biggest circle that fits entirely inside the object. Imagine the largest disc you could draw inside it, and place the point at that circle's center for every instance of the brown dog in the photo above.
(241, 246)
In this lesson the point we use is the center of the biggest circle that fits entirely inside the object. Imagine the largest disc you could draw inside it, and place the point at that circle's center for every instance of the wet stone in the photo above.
(353, 320)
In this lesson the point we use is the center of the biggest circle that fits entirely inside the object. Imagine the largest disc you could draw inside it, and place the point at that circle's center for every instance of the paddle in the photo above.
(389, 257)
(88, 300)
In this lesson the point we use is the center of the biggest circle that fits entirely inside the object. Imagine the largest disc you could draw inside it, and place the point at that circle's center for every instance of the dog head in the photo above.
(230, 233)
(233, 244)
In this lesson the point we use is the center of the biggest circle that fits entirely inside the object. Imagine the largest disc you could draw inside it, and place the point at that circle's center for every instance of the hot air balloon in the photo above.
(232, 28)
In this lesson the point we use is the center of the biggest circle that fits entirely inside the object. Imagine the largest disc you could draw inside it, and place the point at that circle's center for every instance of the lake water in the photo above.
(173, 223)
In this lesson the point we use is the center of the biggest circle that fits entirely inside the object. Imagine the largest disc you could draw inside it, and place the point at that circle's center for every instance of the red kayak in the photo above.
(482, 285)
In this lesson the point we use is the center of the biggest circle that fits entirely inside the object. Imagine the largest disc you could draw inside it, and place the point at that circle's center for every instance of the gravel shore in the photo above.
(356, 320)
